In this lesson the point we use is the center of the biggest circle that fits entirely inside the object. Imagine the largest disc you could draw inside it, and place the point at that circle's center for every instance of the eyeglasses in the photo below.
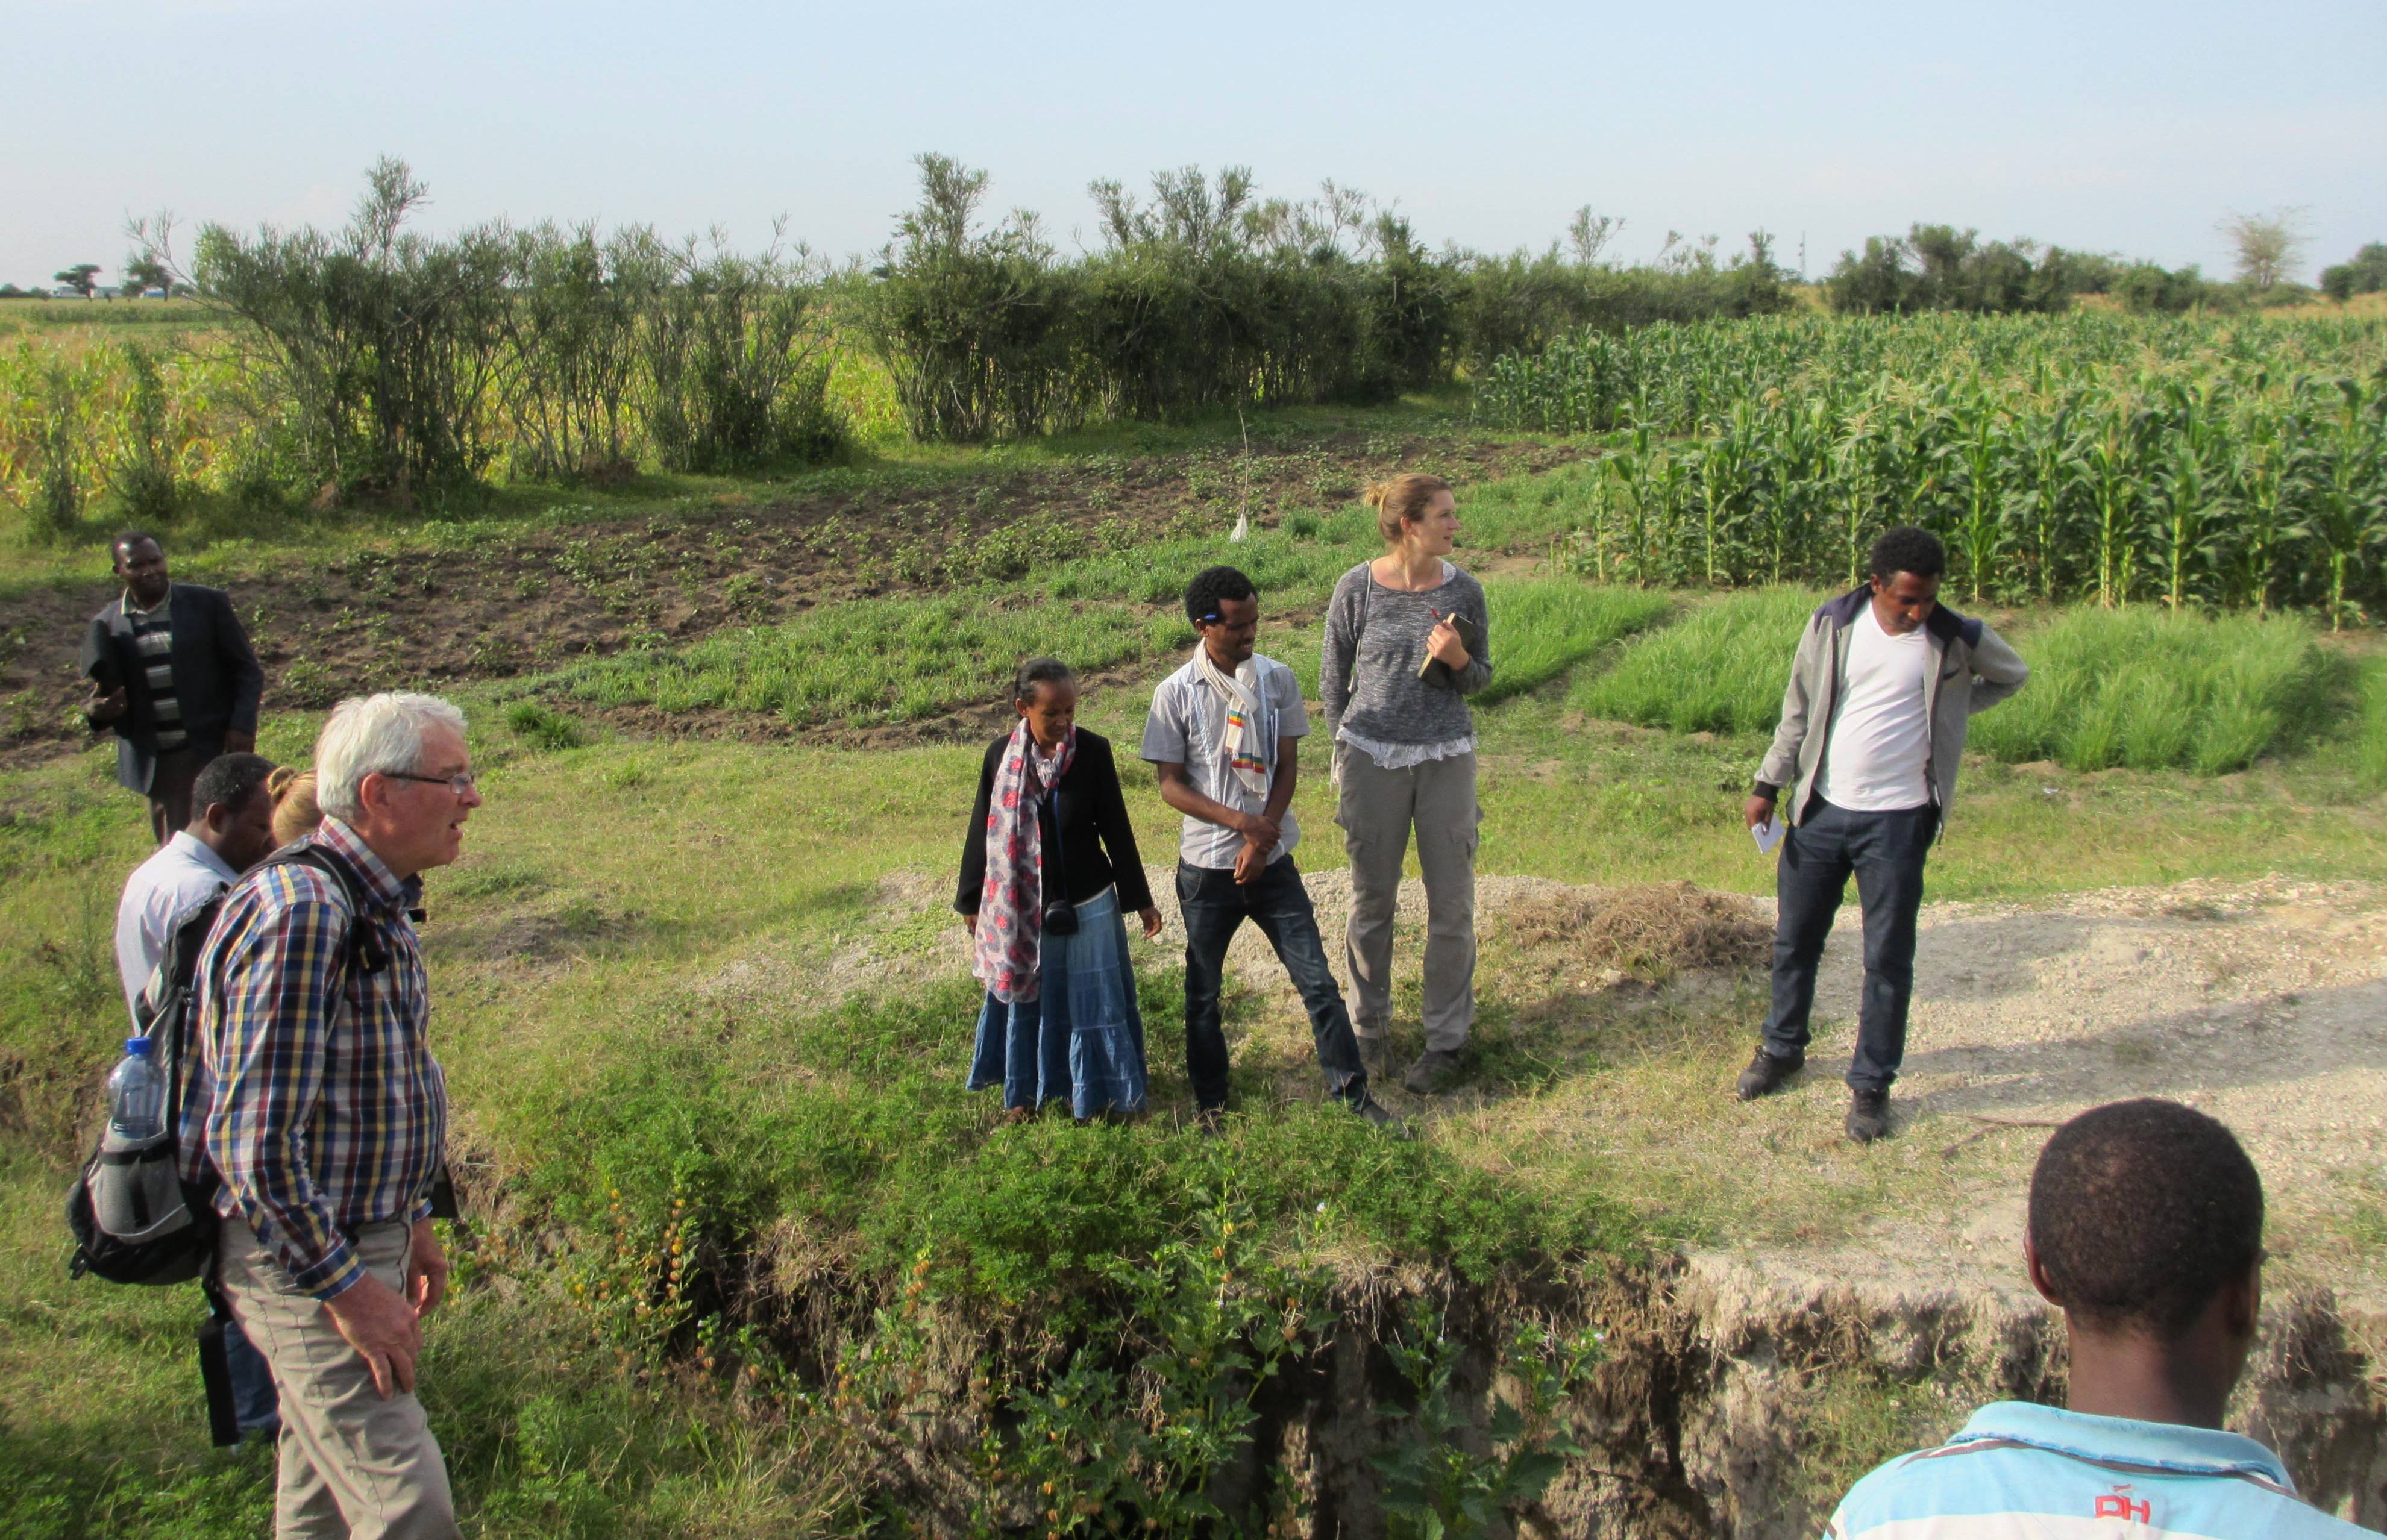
(460, 783)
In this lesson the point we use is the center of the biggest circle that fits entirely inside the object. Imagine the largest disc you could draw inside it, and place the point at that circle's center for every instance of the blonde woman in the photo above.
(1407, 640)
(294, 812)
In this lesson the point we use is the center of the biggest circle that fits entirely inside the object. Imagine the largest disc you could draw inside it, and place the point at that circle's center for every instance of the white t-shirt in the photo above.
(181, 876)
(1878, 757)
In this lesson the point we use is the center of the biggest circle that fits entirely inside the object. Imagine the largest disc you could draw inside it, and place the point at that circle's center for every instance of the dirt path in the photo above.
(2265, 1003)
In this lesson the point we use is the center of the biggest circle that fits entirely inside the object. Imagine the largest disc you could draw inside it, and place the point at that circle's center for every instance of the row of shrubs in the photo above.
(378, 360)
(1939, 267)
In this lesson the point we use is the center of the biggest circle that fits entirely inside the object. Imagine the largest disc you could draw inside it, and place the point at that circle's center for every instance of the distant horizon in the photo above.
(2095, 126)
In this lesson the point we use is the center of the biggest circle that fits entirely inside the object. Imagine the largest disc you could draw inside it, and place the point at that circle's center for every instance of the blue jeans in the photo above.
(1885, 851)
(255, 1404)
(1214, 904)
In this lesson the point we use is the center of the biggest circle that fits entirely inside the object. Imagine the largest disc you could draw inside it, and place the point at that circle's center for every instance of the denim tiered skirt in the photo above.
(1081, 1038)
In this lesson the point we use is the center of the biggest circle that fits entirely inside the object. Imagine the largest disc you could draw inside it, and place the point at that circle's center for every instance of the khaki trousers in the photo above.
(353, 1466)
(1378, 809)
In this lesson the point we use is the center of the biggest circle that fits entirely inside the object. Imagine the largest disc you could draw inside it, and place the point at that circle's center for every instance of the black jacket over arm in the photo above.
(1097, 843)
(217, 680)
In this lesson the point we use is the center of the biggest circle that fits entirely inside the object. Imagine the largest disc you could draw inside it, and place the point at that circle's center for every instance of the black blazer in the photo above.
(1097, 842)
(217, 680)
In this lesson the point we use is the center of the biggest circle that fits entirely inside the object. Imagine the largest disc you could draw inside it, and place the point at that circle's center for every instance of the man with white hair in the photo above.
(317, 1106)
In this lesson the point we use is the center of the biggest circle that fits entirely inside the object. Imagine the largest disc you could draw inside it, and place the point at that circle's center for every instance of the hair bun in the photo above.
(1377, 492)
(279, 781)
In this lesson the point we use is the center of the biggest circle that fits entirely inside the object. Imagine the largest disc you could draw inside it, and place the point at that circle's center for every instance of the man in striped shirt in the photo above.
(316, 1103)
(2146, 1230)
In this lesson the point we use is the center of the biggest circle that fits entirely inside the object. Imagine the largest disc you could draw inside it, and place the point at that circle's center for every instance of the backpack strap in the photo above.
(365, 952)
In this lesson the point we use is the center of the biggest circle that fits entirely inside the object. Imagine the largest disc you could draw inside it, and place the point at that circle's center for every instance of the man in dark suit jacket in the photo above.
(172, 673)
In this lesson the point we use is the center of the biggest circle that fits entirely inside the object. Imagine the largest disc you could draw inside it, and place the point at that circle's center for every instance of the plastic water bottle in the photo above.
(136, 1094)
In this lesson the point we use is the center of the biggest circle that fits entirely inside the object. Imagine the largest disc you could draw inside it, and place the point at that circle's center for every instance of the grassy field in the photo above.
(696, 998)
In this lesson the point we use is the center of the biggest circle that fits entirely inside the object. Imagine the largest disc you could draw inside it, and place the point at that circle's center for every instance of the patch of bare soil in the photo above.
(554, 594)
(2263, 1003)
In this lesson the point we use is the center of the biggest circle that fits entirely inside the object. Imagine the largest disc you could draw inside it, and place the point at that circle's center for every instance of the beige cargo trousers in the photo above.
(1377, 810)
(353, 1466)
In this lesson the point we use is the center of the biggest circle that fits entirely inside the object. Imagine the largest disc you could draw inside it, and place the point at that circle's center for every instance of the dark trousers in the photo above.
(257, 1406)
(1214, 904)
(170, 792)
(1884, 850)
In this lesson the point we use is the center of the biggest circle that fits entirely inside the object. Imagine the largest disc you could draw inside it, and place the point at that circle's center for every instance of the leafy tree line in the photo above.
(1939, 267)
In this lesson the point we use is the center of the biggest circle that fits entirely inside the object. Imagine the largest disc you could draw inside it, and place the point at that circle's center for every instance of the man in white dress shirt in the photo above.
(1873, 729)
(231, 830)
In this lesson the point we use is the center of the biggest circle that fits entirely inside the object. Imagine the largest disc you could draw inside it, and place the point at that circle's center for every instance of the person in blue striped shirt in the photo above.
(2146, 1230)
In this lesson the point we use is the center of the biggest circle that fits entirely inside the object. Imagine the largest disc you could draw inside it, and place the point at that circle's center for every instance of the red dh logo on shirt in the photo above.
(2117, 1505)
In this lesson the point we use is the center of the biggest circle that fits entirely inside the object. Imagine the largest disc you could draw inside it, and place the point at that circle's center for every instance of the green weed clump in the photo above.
(2153, 690)
(1719, 669)
(542, 727)
(1542, 627)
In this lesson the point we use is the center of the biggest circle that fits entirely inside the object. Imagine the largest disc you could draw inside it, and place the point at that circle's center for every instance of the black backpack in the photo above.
(133, 1217)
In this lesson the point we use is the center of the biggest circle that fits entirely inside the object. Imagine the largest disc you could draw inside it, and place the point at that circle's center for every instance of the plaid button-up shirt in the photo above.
(313, 1094)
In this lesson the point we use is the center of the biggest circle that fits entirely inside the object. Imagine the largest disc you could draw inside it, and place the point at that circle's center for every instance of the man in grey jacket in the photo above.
(1872, 729)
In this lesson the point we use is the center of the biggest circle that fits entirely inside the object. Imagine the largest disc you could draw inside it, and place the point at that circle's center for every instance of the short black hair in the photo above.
(1907, 548)
(229, 780)
(131, 538)
(1039, 671)
(2140, 1211)
(1212, 587)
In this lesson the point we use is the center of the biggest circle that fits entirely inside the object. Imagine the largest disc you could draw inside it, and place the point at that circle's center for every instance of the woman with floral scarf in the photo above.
(1048, 871)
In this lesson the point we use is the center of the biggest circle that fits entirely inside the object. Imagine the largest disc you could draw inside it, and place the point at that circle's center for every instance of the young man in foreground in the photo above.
(1225, 736)
(1872, 729)
(2146, 1230)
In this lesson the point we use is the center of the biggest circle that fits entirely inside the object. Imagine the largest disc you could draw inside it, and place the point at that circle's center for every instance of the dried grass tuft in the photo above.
(1649, 932)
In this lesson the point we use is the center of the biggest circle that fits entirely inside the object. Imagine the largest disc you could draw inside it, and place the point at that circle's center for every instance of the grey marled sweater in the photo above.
(1375, 640)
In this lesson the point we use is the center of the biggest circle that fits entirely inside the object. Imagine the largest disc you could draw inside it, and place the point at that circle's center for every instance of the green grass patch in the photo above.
(542, 727)
(2158, 692)
(888, 660)
(1719, 669)
(2369, 729)
(1541, 627)
(901, 659)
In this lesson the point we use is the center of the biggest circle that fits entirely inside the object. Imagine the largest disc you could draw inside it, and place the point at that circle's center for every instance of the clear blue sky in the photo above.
(2097, 125)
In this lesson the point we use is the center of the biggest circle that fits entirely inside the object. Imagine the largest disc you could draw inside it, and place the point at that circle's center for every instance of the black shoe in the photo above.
(1435, 1071)
(1210, 1120)
(1767, 1074)
(1374, 1112)
(1868, 1116)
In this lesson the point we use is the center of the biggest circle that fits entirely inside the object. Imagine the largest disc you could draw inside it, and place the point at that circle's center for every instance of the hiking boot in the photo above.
(1374, 1112)
(1435, 1071)
(1210, 1120)
(1868, 1116)
(1376, 1058)
(1766, 1074)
